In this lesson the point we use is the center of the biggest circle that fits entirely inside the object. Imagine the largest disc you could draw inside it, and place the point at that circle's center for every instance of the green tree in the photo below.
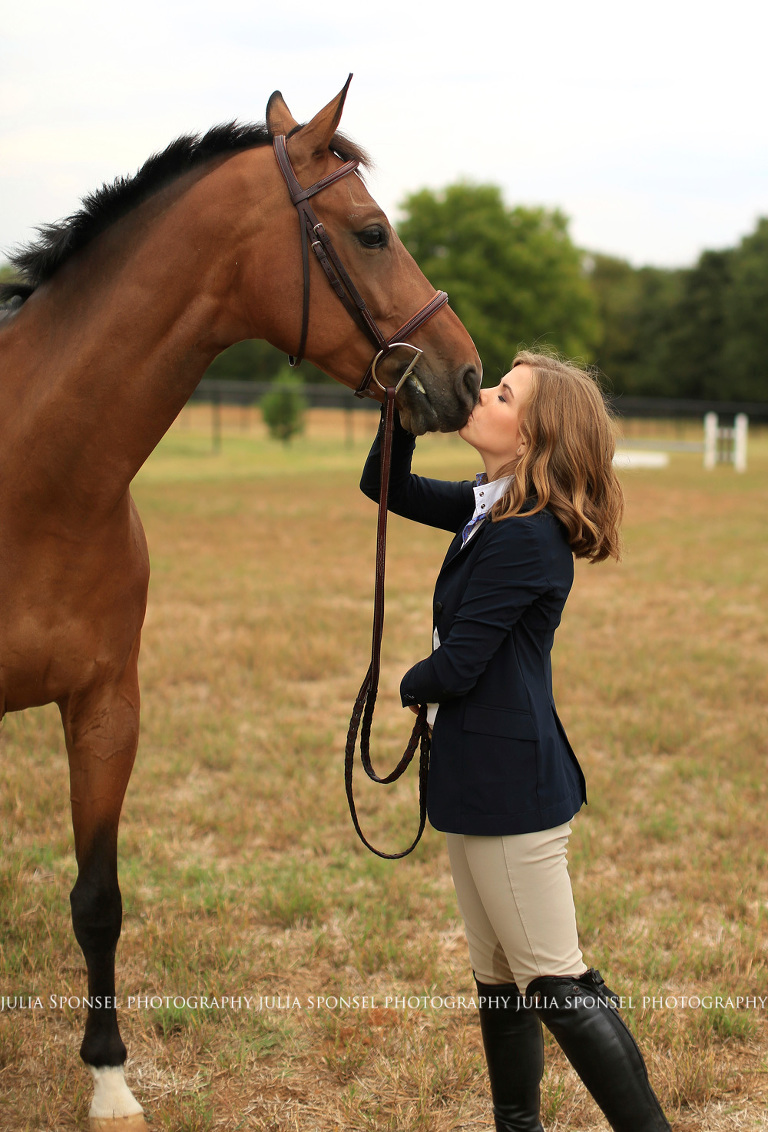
(697, 335)
(283, 407)
(617, 290)
(513, 274)
(255, 360)
(637, 309)
(745, 351)
(251, 360)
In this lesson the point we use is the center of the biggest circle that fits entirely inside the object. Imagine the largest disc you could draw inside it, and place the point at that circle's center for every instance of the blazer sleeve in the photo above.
(445, 504)
(507, 577)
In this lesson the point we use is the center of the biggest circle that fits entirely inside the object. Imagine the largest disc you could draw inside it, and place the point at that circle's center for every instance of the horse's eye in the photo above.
(374, 237)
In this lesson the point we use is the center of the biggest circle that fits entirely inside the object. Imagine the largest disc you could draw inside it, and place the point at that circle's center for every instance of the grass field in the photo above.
(241, 874)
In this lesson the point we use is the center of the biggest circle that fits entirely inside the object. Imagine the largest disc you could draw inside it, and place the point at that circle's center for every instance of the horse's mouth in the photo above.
(429, 409)
(417, 412)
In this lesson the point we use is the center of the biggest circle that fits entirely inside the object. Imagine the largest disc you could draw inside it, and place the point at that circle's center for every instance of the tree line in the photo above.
(699, 332)
(515, 278)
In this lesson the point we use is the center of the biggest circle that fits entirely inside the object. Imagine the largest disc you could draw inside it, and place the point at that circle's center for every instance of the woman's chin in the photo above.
(466, 433)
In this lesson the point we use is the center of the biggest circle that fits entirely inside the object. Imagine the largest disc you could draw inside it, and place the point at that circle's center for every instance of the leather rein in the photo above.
(314, 235)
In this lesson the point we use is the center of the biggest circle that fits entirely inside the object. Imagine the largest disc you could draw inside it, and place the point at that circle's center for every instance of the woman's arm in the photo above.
(440, 503)
(507, 577)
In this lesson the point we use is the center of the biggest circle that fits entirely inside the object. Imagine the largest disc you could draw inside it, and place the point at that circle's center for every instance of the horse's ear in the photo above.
(314, 139)
(279, 118)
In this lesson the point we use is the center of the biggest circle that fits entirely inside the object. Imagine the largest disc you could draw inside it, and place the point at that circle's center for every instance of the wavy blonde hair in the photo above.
(567, 463)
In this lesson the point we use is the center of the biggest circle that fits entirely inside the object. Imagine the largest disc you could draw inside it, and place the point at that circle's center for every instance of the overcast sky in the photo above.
(645, 123)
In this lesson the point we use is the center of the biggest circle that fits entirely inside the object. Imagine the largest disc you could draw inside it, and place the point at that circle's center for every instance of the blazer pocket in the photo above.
(500, 721)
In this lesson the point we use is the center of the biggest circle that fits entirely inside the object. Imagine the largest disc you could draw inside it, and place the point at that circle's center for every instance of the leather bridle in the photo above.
(313, 232)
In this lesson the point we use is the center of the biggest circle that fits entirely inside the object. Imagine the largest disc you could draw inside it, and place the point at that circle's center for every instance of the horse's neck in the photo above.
(120, 338)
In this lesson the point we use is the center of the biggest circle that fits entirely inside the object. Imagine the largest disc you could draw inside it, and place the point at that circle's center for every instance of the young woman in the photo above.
(504, 782)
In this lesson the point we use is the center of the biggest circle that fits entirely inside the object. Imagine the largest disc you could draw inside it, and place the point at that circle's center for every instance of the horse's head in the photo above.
(443, 387)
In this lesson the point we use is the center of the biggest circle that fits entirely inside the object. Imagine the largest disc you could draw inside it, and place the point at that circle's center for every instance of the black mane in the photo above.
(37, 261)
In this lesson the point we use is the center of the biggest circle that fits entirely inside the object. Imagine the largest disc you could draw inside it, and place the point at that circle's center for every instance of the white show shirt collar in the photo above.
(486, 493)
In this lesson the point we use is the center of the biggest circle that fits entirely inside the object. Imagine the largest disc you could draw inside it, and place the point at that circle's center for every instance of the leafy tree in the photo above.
(255, 360)
(745, 351)
(251, 360)
(697, 335)
(283, 407)
(637, 311)
(700, 332)
(617, 290)
(513, 274)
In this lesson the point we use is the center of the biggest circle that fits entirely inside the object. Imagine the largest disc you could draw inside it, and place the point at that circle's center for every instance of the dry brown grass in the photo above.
(241, 874)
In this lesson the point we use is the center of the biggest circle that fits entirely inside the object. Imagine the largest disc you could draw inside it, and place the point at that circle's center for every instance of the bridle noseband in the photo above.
(313, 232)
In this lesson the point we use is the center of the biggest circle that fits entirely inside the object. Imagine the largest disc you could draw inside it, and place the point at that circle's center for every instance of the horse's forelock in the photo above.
(348, 150)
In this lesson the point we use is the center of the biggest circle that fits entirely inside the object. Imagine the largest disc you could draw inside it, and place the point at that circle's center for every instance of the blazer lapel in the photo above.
(456, 547)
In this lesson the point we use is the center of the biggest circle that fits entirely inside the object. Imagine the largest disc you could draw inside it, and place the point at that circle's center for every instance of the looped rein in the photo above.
(366, 697)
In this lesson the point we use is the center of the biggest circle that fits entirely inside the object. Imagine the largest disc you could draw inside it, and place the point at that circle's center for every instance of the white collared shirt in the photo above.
(486, 495)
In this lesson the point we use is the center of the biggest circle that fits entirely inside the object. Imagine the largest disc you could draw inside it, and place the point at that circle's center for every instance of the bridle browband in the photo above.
(312, 230)
(313, 233)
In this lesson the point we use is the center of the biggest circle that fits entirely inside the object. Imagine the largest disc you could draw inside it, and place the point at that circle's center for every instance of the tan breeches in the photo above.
(515, 898)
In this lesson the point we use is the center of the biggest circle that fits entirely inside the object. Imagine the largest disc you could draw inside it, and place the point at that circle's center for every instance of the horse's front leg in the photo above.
(102, 728)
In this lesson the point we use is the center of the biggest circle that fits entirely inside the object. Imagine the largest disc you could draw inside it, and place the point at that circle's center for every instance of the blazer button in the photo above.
(438, 607)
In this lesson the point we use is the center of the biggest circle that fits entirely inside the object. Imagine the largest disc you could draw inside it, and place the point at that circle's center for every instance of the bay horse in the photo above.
(118, 313)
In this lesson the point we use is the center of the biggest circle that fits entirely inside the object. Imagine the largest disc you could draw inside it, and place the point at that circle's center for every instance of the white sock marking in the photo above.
(111, 1095)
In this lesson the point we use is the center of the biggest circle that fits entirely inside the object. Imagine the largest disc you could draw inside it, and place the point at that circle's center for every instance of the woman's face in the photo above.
(493, 427)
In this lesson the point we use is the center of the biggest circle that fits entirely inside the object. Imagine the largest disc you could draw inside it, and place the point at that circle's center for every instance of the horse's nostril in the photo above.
(471, 379)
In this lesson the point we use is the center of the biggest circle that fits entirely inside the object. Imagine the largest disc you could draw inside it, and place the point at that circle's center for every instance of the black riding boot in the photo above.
(514, 1053)
(582, 1016)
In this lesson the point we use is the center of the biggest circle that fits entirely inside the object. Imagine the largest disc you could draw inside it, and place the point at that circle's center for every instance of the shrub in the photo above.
(283, 408)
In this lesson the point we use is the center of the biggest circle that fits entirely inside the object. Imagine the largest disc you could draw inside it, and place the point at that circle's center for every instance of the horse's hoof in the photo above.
(111, 1096)
(135, 1123)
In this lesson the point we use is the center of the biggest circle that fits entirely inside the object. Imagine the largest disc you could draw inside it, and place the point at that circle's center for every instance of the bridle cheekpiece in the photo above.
(314, 235)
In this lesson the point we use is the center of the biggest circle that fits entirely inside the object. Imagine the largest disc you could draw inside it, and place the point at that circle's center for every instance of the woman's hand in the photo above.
(415, 708)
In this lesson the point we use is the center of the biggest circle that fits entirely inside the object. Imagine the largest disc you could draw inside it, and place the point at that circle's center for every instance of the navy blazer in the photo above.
(501, 762)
